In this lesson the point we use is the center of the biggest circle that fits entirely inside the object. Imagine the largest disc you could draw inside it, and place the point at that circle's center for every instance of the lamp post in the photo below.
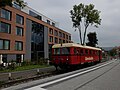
(1, 59)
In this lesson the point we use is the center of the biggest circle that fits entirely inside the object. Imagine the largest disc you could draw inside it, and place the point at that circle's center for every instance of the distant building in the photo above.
(25, 34)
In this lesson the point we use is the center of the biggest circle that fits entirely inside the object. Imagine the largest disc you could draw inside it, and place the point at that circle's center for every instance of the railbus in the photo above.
(72, 54)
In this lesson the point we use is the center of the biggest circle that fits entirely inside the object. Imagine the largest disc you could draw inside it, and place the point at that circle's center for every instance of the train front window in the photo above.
(65, 50)
(57, 51)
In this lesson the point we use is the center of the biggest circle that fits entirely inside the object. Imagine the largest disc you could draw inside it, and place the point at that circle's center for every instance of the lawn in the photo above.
(21, 68)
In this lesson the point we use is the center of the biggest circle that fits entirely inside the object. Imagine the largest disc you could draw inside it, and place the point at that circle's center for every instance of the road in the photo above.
(104, 77)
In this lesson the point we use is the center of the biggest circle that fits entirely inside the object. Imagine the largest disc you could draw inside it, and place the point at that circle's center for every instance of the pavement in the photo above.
(106, 78)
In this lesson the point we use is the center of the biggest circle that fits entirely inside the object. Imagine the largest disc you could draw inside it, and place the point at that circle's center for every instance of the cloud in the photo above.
(58, 10)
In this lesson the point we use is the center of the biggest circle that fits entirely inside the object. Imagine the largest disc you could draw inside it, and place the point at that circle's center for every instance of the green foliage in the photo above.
(4, 3)
(112, 52)
(24, 66)
(21, 68)
(85, 14)
(21, 3)
(92, 39)
(12, 66)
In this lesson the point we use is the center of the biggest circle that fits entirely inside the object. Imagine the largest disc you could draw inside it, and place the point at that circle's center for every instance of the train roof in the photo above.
(73, 45)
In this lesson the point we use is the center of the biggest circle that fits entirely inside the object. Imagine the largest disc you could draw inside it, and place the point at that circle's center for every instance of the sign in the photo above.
(88, 58)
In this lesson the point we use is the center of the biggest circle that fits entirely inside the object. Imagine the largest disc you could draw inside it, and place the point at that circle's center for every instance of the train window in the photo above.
(57, 51)
(75, 51)
(86, 51)
(97, 52)
(65, 50)
(90, 51)
(81, 51)
(78, 51)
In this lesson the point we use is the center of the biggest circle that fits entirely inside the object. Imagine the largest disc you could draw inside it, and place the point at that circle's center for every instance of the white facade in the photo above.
(27, 9)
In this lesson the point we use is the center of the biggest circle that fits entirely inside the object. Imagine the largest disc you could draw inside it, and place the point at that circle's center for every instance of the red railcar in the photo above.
(71, 54)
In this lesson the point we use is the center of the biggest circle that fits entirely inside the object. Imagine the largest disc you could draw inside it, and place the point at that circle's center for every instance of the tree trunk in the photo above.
(80, 34)
(85, 35)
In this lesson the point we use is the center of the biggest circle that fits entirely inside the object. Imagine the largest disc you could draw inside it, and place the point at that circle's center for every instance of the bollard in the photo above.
(9, 76)
(38, 71)
(48, 62)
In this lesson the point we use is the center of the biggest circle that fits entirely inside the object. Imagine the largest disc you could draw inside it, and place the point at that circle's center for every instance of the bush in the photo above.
(12, 66)
(26, 63)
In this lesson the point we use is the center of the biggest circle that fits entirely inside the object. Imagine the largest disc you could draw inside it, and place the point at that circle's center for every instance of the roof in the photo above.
(73, 45)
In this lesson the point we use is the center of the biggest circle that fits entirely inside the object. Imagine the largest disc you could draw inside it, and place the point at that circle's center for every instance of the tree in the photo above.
(4, 3)
(84, 15)
(92, 39)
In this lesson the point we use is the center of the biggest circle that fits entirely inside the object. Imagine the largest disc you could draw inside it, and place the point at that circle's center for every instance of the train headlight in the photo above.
(67, 59)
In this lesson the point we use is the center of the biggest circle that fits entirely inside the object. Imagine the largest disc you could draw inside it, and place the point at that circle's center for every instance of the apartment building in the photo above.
(26, 34)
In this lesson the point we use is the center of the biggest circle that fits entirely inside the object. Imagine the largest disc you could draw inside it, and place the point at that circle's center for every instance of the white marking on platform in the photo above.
(39, 87)
(35, 88)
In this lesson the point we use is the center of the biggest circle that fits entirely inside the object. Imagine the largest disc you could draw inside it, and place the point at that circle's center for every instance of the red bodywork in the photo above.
(76, 56)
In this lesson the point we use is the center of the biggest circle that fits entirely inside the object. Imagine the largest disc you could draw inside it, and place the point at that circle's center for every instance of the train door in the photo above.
(77, 54)
(81, 55)
(99, 53)
(75, 58)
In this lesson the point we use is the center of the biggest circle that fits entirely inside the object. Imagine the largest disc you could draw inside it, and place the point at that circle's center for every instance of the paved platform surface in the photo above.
(106, 78)
(110, 80)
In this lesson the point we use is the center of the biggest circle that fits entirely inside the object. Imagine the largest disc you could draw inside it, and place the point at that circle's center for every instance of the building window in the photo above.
(4, 44)
(66, 36)
(4, 27)
(5, 14)
(4, 58)
(19, 19)
(53, 24)
(60, 41)
(19, 31)
(56, 33)
(60, 34)
(69, 37)
(63, 35)
(51, 31)
(56, 40)
(37, 42)
(63, 41)
(18, 45)
(48, 21)
(16, 5)
(35, 15)
(50, 39)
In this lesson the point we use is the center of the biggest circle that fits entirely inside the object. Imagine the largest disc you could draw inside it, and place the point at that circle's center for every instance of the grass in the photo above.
(21, 68)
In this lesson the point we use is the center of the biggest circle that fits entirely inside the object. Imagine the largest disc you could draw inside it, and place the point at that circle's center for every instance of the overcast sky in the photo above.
(108, 33)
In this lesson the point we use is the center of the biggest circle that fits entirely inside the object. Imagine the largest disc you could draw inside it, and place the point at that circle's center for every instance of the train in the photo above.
(66, 55)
